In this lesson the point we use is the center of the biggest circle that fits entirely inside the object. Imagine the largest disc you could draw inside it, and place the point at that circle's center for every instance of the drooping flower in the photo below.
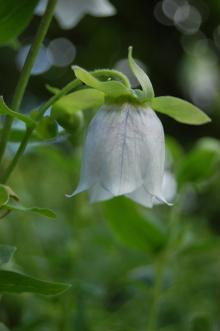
(70, 12)
(124, 155)
(124, 152)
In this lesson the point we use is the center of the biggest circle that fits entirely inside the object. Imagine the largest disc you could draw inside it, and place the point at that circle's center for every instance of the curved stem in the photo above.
(113, 73)
(68, 88)
(26, 71)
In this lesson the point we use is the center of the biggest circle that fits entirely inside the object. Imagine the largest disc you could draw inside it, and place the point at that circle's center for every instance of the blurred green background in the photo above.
(109, 257)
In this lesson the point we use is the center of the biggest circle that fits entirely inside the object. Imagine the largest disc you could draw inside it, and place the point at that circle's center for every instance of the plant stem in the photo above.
(68, 88)
(160, 268)
(153, 313)
(26, 72)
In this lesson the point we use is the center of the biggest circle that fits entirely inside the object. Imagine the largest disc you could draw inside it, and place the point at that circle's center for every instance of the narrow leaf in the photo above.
(6, 253)
(42, 211)
(13, 282)
(181, 110)
(141, 76)
(109, 88)
(5, 110)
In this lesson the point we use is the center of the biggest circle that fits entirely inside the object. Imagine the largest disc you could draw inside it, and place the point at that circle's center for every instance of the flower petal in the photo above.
(154, 152)
(118, 157)
(142, 197)
(124, 150)
(98, 193)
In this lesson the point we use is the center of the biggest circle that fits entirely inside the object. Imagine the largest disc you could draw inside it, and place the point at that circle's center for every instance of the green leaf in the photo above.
(5, 110)
(141, 76)
(46, 128)
(181, 110)
(131, 227)
(201, 163)
(6, 253)
(42, 211)
(13, 282)
(4, 195)
(14, 17)
(112, 89)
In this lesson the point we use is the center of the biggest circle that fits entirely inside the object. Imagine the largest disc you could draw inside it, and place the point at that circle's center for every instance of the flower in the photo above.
(70, 12)
(124, 154)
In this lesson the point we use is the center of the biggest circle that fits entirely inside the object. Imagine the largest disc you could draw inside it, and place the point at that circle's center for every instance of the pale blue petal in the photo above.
(98, 193)
(142, 197)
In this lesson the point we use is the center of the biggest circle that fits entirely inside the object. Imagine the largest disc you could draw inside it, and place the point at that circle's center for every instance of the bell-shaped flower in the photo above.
(124, 152)
(70, 12)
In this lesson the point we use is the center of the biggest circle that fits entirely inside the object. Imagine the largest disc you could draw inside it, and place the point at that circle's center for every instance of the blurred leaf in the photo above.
(42, 211)
(201, 322)
(132, 228)
(4, 110)
(46, 128)
(109, 88)
(6, 253)
(181, 110)
(3, 327)
(201, 247)
(175, 149)
(14, 17)
(141, 76)
(4, 195)
(13, 282)
(201, 163)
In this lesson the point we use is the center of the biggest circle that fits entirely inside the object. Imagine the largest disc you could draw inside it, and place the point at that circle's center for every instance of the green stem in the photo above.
(68, 88)
(26, 72)
(160, 267)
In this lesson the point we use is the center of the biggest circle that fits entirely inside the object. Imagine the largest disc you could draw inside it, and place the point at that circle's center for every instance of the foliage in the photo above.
(116, 265)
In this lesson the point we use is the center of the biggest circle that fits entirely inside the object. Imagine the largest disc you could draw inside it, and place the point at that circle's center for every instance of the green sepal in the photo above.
(142, 77)
(5, 110)
(181, 110)
(110, 88)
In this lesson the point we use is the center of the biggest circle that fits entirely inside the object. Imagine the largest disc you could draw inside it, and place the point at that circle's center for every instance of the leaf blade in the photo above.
(14, 282)
(181, 110)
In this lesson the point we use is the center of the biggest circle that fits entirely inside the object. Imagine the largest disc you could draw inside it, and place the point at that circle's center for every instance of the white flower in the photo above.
(124, 154)
(70, 12)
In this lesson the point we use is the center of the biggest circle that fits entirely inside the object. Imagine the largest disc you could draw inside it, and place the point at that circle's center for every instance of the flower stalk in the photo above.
(26, 72)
